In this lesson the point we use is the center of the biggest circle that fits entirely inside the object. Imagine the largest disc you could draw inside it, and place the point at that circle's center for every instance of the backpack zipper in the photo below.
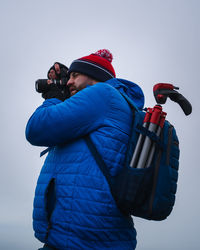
(157, 166)
(154, 182)
(169, 144)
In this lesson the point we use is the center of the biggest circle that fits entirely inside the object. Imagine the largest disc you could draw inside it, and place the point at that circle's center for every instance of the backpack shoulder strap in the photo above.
(130, 102)
(100, 162)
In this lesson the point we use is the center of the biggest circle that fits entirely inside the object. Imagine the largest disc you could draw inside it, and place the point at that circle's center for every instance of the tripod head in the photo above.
(164, 90)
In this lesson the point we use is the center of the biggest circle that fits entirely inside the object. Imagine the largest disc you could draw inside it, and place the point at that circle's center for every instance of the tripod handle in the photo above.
(182, 101)
(164, 90)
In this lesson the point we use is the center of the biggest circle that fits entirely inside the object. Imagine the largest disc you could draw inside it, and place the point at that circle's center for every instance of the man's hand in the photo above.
(54, 92)
(57, 71)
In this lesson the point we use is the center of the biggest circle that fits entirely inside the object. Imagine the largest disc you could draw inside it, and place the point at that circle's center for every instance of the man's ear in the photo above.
(94, 81)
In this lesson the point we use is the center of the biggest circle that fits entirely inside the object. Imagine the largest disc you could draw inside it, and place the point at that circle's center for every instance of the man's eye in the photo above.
(75, 74)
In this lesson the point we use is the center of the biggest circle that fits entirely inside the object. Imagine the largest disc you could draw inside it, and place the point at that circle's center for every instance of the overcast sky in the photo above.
(152, 41)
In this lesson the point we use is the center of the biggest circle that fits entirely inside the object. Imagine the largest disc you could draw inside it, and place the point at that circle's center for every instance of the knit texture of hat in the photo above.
(97, 65)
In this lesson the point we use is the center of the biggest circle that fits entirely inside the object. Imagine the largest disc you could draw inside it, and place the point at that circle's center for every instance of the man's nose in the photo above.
(70, 81)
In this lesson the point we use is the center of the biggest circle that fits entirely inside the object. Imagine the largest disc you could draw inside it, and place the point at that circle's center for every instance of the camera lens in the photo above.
(41, 85)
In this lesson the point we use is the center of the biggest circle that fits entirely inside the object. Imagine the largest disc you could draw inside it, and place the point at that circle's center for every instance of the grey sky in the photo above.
(152, 41)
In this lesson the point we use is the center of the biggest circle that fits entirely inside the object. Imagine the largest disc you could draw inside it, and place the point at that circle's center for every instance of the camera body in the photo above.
(42, 85)
(53, 88)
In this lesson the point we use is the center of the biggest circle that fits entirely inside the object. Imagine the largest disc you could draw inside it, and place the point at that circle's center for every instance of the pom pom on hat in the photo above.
(105, 53)
(97, 65)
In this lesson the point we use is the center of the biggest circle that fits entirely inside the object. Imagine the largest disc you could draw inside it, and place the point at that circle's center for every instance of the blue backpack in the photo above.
(146, 192)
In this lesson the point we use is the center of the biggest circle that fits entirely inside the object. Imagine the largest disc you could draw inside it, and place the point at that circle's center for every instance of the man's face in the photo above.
(78, 82)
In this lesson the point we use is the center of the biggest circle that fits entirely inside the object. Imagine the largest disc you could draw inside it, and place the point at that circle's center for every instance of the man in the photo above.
(73, 205)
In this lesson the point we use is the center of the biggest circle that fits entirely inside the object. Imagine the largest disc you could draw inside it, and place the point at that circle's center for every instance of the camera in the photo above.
(54, 88)
(42, 86)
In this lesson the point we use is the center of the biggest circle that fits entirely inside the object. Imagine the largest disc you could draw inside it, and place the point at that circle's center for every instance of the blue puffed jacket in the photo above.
(73, 206)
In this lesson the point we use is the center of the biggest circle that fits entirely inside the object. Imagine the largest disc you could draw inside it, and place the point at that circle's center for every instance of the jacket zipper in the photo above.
(50, 187)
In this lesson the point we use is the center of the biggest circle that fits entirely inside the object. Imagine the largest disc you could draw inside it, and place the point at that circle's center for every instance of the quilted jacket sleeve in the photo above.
(56, 122)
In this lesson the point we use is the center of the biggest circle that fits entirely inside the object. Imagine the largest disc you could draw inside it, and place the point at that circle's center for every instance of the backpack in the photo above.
(149, 192)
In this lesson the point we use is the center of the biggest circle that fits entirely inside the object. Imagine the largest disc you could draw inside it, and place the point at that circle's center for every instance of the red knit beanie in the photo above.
(97, 65)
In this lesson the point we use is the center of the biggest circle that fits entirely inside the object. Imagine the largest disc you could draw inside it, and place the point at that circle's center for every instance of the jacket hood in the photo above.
(131, 89)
